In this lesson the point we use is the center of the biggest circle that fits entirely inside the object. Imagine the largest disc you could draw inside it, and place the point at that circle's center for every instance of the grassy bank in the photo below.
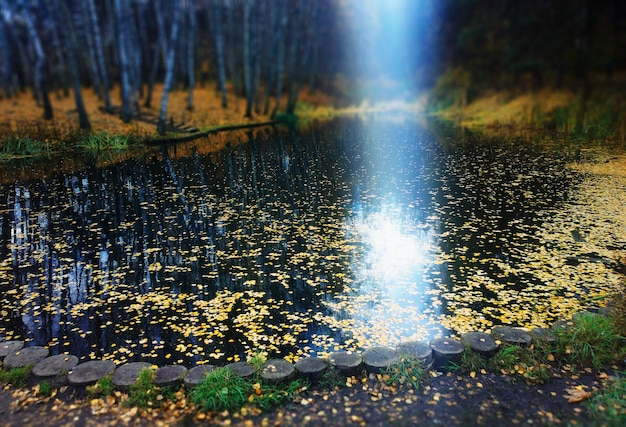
(597, 114)
(21, 120)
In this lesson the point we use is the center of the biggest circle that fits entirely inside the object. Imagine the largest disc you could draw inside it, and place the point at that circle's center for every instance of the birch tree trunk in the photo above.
(102, 69)
(40, 63)
(215, 13)
(247, 66)
(7, 66)
(292, 55)
(191, 42)
(64, 21)
(160, 49)
(126, 113)
(280, 54)
(299, 72)
(169, 68)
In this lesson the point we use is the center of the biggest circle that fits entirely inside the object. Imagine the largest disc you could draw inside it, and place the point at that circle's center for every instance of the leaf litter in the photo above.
(334, 240)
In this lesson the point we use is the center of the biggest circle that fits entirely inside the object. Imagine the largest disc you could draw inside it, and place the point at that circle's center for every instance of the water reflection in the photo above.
(290, 244)
(396, 249)
(396, 262)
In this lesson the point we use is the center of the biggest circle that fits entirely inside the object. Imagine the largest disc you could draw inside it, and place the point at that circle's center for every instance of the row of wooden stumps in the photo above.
(64, 368)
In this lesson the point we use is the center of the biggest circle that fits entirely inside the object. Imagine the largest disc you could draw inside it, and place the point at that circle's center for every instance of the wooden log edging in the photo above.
(436, 353)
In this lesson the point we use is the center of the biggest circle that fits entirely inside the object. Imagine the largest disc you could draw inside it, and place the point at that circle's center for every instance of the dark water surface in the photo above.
(341, 237)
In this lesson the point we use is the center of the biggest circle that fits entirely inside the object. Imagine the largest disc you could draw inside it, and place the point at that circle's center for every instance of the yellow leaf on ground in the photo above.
(574, 395)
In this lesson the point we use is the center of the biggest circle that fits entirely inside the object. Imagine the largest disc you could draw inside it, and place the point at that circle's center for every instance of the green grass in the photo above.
(104, 387)
(525, 362)
(143, 393)
(221, 390)
(471, 361)
(286, 118)
(273, 396)
(608, 407)
(45, 389)
(528, 363)
(103, 141)
(618, 309)
(409, 371)
(257, 360)
(331, 379)
(451, 89)
(17, 147)
(16, 376)
(590, 341)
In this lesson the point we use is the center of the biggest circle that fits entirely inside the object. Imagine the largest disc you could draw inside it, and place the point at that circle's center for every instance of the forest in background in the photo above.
(266, 52)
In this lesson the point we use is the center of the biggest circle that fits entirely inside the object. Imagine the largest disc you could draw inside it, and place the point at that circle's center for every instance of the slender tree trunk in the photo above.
(257, 49)
(64, 20)
(292, 56)
(280, 55)
(126, 113)
(133, 55)
(317, 40)
(144, 43)
(91, 49)
(160, 49)
(305, 56)
(40, 64)
(191, 42)
(102, 70)
(247, 66)
(232, 59)
(60, 74)
(216, 11)
(270, 63)
(169, 68)
(5, 73)
(152, 78)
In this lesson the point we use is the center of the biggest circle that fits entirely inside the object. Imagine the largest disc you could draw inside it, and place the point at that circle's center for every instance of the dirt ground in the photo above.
(447, 399)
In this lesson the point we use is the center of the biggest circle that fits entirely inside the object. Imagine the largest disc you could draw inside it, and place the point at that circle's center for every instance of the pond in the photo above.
(352, 234)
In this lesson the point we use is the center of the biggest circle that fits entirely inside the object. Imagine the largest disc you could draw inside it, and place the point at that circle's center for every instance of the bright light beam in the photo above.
(382, 48)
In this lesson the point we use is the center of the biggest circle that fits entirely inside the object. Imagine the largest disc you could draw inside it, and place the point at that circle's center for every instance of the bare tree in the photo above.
(169, 67)
(247, 59)
(5, 55)
(41, 88)
(191, 43)
(126, 113)
(160, 50)
(215, 18)
(64, 21)
(280, 54)
(306, 29)
(101, 66)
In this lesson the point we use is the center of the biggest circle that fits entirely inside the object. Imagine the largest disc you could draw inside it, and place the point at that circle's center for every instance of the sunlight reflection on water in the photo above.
(367, 235)
(397, 254)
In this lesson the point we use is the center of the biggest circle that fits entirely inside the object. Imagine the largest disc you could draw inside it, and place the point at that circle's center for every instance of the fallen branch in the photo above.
(203, 134)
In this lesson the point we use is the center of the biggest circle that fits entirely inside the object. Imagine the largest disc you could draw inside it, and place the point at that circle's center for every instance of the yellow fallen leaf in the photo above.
(574, 395)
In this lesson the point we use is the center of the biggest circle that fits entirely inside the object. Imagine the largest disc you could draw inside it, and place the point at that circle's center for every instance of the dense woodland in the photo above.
(550, 41)
(264, 50)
